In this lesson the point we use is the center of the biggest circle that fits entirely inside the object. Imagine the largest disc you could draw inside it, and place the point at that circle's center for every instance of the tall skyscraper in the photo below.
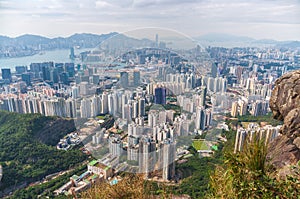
(70, 69)
(95, 79)
(127, 112)
(104, 103)
(54, 75)
(35, 68)
(71, 108)
(234, 109)
(160, 95)
(169, 154)
(84, 88)
(20, 69)
(239, 140)
(203, 95)
(95, 106)
(124, 79)
(136, 78)
(85, 108)
(243, 108)
(156, 41)
(115, 146)
(72, 53)
(259, 108)
(74, 92)
(46, 66)
(147, 155)
(142, 59)
(6, 74)
(214, 70)
(133, 153)
(141, 107)
(64, 78)
(135, 109)
(200, 118)
(26, 78)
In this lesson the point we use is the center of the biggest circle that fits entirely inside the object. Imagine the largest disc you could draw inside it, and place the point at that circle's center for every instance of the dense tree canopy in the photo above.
(25, 158)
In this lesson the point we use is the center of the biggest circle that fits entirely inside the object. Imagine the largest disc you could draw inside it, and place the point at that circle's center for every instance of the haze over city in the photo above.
(266, 19)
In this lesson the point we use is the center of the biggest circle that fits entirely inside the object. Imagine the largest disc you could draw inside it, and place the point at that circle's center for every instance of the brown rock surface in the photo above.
(285, 98)
(283, 152)
(285, 104)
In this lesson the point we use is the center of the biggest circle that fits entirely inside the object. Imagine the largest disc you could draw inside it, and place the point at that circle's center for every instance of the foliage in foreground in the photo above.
(131, 186)
(247, 175)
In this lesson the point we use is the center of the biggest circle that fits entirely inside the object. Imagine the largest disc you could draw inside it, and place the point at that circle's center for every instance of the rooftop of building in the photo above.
(93, 162)
(96, 163)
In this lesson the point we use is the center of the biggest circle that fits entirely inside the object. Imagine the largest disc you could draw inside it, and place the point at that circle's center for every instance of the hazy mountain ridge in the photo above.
(78, 38)
(28, 44)
(228, 40)
(216, 37)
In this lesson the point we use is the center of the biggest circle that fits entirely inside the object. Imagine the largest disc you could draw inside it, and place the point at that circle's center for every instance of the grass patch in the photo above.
(200, 145)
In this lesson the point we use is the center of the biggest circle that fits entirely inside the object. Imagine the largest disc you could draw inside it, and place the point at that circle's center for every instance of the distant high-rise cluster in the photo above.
(239, 108)
(254, 131)
(215, 84)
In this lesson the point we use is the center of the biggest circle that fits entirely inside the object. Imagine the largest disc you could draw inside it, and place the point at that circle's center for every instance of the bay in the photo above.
(57, 56)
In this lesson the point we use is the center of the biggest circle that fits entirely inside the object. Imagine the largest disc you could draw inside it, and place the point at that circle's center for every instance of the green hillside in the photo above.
(27, 151)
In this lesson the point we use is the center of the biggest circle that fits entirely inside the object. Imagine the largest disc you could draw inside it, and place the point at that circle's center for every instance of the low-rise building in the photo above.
(96, 167)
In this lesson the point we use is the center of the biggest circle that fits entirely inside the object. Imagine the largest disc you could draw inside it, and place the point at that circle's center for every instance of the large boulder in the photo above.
(285, 104)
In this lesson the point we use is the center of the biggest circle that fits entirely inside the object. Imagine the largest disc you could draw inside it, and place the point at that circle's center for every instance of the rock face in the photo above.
(285, 104)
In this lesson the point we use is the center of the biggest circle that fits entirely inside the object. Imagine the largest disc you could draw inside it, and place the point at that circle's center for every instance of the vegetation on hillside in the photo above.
(262, 118)
(131, 186)
(24, 157)
(47, 188)
(248, 175)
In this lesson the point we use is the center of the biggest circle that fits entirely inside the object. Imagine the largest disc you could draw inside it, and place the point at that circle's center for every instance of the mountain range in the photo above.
(28, 44)
(83, 40)
(228, 40)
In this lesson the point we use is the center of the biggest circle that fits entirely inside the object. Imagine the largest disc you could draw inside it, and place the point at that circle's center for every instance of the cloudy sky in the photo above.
(261, 19)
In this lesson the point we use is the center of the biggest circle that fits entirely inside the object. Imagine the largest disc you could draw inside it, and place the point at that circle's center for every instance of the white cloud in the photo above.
(256, 18)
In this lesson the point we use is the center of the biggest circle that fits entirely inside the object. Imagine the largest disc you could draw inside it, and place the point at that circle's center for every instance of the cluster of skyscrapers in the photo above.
(254, 131)
(154, 100)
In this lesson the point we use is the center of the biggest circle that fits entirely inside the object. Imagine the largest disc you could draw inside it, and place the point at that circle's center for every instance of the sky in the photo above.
(259, 19)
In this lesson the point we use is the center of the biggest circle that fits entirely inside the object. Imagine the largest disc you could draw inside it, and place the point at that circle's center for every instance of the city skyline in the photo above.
(267, 19)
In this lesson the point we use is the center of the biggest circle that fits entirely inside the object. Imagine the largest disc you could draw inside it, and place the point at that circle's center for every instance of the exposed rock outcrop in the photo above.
(285, 104)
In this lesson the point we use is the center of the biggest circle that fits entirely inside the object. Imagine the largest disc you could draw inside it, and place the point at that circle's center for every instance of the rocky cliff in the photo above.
(285, 104)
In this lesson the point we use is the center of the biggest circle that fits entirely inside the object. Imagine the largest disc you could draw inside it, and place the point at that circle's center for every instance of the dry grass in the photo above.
(130, 187)
(248, 175)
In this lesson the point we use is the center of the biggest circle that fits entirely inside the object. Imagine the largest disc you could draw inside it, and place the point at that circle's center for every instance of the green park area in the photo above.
(101, 117)
(200, 145)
